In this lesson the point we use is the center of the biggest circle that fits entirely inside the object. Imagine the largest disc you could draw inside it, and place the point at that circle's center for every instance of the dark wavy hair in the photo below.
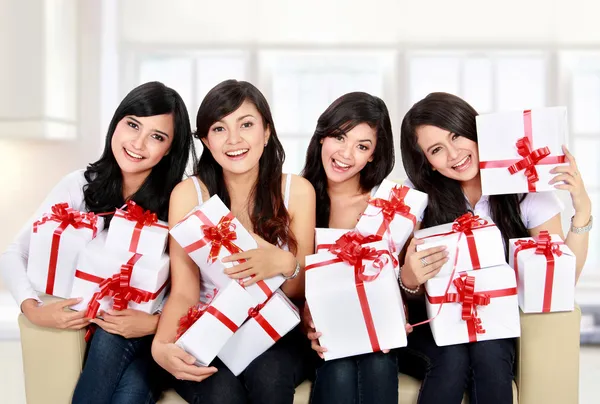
(104, 191)
(446, 198)
(269, 216)
(344, 114)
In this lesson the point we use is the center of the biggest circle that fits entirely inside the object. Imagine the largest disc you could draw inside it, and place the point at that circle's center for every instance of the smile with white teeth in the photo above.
(462, 162)
(134, 155)
(235, 153)
(340, 164)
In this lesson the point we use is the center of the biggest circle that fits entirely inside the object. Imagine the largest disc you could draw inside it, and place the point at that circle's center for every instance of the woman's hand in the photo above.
(179, 363)
(570, 175)
(421, 266)
(128, 323)
(311, 332)
(263, 262)
(55, 315)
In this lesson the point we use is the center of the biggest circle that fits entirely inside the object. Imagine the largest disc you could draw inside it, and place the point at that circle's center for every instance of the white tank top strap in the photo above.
(288, 186)
(198, 189)
(374, 189)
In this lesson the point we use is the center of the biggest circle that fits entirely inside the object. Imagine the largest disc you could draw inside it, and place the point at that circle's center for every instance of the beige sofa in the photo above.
(547, 363)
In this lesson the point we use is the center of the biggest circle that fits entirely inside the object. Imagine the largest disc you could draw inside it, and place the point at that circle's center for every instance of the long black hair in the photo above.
(344, 114)
(446, 198)
(269, 216)
(104, 191)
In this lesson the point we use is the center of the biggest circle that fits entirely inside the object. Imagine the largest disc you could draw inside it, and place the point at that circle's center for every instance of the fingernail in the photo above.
(79, 299)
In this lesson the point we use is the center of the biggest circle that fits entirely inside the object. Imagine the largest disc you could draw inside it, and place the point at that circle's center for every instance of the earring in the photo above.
(266, 144)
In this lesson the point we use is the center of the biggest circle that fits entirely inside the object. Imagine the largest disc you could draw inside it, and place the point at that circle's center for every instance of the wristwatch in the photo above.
(295, 274)
(584, 229)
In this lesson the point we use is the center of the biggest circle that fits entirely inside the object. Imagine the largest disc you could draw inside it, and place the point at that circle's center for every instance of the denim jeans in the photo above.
(485, 369)
(271, 378)
(119, 370)
(362, 379)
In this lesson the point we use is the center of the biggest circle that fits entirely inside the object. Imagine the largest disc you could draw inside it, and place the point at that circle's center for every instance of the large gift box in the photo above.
(56, 241)
(108, 279)
(209, 233)
(326, 239)
(477, 242)
(518, 149)
(138, 231)
(475, 306)
(545, 270)
(205, 329)
(355, 300)
(393, 213)
(268, 322)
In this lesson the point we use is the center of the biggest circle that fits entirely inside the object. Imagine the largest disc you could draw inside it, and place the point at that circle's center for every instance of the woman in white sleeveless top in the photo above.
(349, 155)
(241, 163)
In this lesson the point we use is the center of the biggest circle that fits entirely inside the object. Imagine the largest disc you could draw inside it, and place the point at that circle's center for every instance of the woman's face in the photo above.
(453, 156)
(140, 142)
(346, 154)
(237, 141)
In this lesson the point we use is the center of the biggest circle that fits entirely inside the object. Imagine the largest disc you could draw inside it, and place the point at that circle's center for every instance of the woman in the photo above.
(241, 163)
(349, 155)
(439, 150)
(146, 151)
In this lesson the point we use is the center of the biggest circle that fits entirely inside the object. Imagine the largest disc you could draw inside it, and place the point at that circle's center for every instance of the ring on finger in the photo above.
(424, 262)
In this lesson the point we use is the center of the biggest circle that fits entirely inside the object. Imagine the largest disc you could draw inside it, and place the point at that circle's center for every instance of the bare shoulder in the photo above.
(186, 190)
(301, 188)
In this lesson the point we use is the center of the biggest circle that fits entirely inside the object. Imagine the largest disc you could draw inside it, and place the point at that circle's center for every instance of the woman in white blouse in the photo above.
(146, 151)
(439, 152)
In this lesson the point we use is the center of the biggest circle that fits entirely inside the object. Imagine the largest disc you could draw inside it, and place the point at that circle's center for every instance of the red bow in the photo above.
(467, 222)
(352, 252)
(193, 314)
(221, 235)
(392, 207)
(136, 213)
(530, 159)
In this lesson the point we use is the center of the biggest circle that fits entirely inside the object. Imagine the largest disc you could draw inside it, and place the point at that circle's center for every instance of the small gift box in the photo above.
(518, 149)
(355, 300)
(268, 322)
(118, 279)
(209, 233)
(475, 306)
(393, 213)
(476, 241)
(138, 231)
(56, 241)
(206, 329)
(545, 270)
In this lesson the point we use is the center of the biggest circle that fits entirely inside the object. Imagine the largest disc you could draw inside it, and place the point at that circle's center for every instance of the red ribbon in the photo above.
(466, 296)
(221, 235)
(254, 312)
(543, 246)
(391, 207)
(531, 158)
(353, 253)
(197, 311)
(349, 237)
(135, 213)
(65, 216)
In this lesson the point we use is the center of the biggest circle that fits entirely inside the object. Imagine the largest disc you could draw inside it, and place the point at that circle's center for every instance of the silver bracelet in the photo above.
(584, 229)
(408, 290)
(295, 274)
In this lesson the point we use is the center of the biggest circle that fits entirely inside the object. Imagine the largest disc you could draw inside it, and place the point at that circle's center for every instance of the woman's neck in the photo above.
(348, 188)
(132, 182)
(239, 186)
(472, 190)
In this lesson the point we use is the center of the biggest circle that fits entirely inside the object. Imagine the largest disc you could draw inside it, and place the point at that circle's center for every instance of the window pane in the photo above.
(430, 74)
(585, 114)
(586, 151)
(172, 72)
(212, 70)
(285, 102)
(478, 84)
(520, 82)
(295, 153)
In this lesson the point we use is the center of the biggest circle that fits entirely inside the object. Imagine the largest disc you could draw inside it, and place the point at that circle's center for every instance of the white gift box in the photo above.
(355, 316)
(545, 273)
(265, 326)
(408, 205)
(217, 324)
(497, 137)
(327, 238)
(484, 249)
(147, 280)
(136, 230)
(494, 313)
(213, 217)
(56, 242)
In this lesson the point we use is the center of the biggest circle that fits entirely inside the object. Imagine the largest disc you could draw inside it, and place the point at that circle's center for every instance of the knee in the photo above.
(338, 372)
(494, 358)
(453, 360)
(105, 340)
(378, 363)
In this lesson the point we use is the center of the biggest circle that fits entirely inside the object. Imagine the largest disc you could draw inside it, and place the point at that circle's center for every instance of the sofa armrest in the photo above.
(548, 358)
(52, 361)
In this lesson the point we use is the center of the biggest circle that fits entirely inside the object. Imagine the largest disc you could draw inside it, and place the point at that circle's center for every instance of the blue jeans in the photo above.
(271, 378)
(362, 379)
(485, 369)
(118, 370)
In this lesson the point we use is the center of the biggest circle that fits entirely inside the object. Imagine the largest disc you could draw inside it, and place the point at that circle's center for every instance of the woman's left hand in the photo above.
(128, 323)
(573, 183)
(263, 262)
